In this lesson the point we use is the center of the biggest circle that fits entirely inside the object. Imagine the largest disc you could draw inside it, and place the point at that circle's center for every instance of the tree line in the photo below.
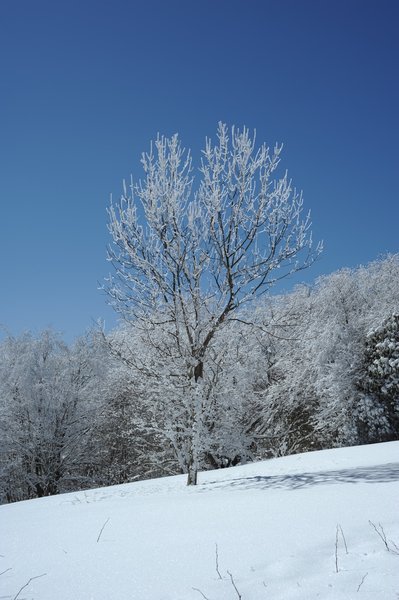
(314, 368)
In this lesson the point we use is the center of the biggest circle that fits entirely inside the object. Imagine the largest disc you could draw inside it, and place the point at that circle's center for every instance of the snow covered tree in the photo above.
(44, 391)
(320, 364)
(188, 258)
(123, 445)
(378, 406)
(155, 424)
(349, 304)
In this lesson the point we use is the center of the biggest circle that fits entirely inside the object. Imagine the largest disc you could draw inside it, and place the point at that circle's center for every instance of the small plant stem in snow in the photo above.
(234, 585)
(337, 532)
(202, 593)
(343, 538)
(336, 550)
(102, 529)
(27, 583)
(217, 561)
(362, 581)
(381, 533)
(9, 569)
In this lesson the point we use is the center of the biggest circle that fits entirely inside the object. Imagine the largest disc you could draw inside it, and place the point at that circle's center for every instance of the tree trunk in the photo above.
(192, 475)
(192, 463)
(192, 467)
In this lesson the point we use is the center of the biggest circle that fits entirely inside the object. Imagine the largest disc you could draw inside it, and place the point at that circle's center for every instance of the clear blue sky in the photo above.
(86, 84)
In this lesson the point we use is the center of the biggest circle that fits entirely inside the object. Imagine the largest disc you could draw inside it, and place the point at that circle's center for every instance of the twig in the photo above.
(202, 593)
(362, 581)
(338, 531)
(336, 550)
(343, 537)
(394, 548)
(9, 569)
(26, 584)
(217, 561)
(234, 585)
(102, 529)
(381, 533)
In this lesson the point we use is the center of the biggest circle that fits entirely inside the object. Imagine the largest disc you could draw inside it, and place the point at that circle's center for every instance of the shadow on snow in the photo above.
(376, 474)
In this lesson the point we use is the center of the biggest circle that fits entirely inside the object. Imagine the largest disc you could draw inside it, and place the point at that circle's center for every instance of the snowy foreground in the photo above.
(274, 524)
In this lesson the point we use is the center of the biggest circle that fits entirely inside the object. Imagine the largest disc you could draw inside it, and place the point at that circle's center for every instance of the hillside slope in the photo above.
(274, 524)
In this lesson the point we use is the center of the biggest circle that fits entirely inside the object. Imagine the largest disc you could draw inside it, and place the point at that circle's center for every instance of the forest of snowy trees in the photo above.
(314, 368)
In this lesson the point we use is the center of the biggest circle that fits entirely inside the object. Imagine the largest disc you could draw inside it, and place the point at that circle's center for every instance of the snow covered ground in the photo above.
(274, 524)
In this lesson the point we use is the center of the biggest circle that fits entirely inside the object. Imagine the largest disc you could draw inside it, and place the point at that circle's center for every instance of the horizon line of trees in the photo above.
(314, 368)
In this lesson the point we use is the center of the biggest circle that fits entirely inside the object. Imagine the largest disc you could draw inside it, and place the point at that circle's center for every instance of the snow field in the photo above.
(274, 524)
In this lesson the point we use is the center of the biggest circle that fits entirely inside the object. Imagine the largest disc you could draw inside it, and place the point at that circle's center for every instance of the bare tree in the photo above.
(187, 259)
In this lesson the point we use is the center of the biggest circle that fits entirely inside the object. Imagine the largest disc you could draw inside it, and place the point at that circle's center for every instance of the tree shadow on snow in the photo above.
(376, 474)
